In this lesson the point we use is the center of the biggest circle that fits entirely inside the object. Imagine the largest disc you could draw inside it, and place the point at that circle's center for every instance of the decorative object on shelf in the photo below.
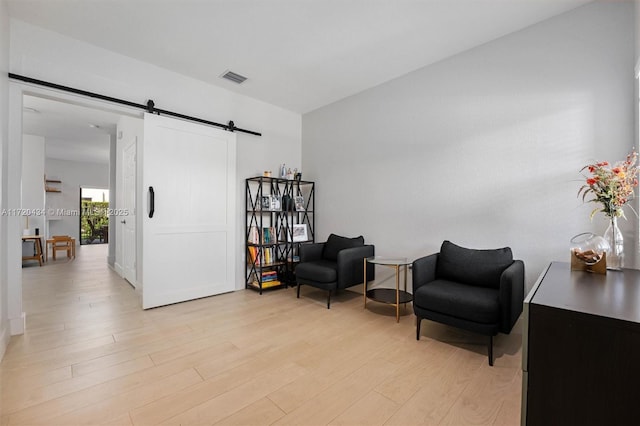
(287, 203)
(299, 233)
(589, 253)
(299, 203)
(289, 174)
(266, 173)
(612, 187)
(275, 203)
(283, 172)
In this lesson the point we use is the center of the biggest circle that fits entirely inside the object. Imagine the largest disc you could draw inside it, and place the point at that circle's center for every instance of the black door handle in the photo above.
(152, 202)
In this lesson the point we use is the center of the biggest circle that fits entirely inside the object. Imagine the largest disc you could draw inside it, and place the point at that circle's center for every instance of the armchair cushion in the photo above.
(473, 267)
(335, 243)
(321, 271)
(311, 251)
(472, 303)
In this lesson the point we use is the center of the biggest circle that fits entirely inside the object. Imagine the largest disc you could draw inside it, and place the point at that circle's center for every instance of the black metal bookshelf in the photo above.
(279, 217)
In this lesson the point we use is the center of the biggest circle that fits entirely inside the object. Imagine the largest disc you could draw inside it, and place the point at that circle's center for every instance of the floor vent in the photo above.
(232, 76)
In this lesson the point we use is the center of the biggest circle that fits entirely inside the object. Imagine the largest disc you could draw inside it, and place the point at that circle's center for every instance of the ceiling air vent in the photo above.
(232, 76)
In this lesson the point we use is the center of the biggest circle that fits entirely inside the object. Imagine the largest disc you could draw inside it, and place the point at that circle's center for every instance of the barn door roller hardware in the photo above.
(149, 107)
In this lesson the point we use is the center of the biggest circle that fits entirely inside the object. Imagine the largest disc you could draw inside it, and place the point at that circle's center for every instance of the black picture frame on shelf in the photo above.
(265, 202)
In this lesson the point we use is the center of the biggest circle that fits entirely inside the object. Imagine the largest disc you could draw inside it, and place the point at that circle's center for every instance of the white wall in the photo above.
(33, 182)
(73, 175)
(4, 136)
(484, 148)
(637, 88)
(637, 20)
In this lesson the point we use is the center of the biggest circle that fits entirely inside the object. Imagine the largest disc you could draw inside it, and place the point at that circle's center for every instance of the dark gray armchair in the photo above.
(476, 290)
(334, 265)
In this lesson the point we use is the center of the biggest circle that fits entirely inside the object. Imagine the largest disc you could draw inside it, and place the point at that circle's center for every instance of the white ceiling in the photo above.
(297, 54)
(71, 132)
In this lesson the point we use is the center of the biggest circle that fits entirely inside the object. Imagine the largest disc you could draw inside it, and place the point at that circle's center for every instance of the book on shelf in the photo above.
(254, 235)
(268, 255)
(269, 235)
(264, 255)
(254, 254)
(269, 276)
(266, 284)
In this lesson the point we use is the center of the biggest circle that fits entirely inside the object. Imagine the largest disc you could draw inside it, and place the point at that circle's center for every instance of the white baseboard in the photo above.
(119, 270)
(17, 325)
(4, 340)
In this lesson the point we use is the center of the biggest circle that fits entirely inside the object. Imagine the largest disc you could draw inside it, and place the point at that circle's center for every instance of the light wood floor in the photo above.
(92, 356)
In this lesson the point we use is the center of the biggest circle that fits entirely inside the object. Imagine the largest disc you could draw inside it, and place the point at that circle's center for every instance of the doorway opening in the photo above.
(94, 216)
(53, 134)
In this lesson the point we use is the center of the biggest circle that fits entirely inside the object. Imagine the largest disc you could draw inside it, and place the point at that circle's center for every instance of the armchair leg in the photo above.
(418, 321)
(491, 351)
(298, 292)
(329, 300)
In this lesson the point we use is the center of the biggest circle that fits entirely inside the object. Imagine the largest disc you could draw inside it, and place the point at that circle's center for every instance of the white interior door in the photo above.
(188, 227)
(128, 229)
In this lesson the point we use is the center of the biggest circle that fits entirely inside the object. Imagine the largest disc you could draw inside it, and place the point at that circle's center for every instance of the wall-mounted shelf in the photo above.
(52, 185)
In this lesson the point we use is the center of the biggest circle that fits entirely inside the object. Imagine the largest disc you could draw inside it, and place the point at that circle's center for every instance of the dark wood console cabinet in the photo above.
(581, 348)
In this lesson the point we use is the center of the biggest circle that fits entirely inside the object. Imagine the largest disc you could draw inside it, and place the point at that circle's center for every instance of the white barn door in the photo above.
(188, 226)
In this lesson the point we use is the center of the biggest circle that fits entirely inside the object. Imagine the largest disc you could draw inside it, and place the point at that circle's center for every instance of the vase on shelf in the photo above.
(615, 255)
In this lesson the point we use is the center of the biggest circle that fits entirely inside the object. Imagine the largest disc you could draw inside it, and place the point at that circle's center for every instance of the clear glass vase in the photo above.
(615, 255)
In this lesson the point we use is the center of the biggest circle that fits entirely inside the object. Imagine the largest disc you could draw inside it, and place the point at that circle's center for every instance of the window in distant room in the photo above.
(94, 217)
